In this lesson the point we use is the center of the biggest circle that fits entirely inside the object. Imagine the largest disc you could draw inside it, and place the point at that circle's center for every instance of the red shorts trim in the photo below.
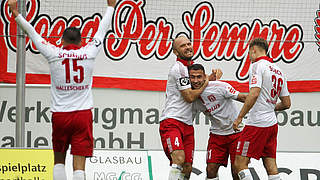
(73, 128)
(257, 142)
(220, 147)
(176, 135)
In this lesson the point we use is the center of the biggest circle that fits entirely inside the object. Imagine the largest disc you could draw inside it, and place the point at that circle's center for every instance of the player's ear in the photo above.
(175, 52)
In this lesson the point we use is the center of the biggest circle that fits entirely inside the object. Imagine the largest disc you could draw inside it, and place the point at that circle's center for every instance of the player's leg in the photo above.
(234, 172)
(212, 171)
(232, 153)
(59, 172)
(271, 168)
(241, 166)
(269, 153)
(60, 144)
(177, 159)
(81, 142)
(188, 143)
(171, 139)
(186, 170)
(218, 150)
(79, 163)
(251, 144)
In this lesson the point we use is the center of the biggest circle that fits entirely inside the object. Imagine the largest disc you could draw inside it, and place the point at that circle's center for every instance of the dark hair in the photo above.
(197, 67)
(260, 42)
(72, 35)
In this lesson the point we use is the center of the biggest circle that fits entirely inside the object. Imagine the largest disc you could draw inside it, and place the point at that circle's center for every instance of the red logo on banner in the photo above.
(317, 27)
(211, 40)
(153, 38)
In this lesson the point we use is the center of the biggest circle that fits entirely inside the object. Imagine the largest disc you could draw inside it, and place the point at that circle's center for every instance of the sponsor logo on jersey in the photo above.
(184, 81)
(254, 80)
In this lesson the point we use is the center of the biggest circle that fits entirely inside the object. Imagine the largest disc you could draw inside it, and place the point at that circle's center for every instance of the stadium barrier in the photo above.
(37, 164)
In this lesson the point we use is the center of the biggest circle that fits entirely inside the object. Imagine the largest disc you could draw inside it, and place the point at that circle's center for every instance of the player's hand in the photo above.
(236, 123)
(206, 82)
(13, 7)
(112, 3)
(215, 75)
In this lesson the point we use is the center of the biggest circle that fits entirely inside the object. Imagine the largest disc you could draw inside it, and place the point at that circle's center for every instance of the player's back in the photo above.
(71, 78)
(175, 105)
(272, 81)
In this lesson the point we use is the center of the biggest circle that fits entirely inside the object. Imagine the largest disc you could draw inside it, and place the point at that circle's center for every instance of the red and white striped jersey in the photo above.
(71, 69)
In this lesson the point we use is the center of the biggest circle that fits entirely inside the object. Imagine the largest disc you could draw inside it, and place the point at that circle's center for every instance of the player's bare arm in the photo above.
(249, 102)
(13, 7)
(242, 97)
(189, 95)
(285, 103)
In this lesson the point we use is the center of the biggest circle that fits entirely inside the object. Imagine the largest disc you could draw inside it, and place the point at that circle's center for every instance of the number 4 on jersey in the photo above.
(176, 142)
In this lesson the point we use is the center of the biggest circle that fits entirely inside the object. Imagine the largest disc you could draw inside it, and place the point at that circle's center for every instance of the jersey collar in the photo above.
(184, 62)
(71, 47)
(264, 58)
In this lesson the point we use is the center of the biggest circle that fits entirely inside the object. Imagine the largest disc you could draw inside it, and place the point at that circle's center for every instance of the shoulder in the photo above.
(217, 84)
(179, 69)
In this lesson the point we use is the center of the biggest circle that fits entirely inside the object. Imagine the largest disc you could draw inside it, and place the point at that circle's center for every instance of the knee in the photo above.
(178, 157)
(240, 163)
(272, 170)
(212, 170)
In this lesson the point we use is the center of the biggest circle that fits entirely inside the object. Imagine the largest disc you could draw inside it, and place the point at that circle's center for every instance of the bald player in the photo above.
(176, 128)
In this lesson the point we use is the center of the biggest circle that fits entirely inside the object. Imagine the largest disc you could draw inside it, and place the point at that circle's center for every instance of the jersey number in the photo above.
(78, 78)
(176, 142)
(277, 86)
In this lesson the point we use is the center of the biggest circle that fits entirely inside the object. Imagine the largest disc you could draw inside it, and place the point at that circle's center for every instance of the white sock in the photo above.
(59, 172)
(245, 175)
(78, 175)
(216, 178)
(274, 177)
(175, 172)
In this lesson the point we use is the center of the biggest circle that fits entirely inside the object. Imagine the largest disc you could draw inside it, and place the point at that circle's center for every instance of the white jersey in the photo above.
(175, 105)
(273, 84)
(217, 103)
(71, 70)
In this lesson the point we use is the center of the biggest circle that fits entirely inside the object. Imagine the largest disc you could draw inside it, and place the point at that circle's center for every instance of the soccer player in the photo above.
(71, 81)
(217, 103)
(267, 82)
(176, 129)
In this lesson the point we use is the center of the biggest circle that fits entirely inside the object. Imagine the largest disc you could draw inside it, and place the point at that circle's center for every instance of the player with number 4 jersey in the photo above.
(267, 83)
(71, 69)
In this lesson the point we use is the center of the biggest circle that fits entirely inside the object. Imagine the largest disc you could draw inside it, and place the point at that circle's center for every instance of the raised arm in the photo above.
(106, 21)
(40, 43)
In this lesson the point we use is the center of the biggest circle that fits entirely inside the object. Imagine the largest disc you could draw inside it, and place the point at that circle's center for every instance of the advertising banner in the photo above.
(291, 166)
(137, 52)
(128, 119)
(26, 164)
(115, 165)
